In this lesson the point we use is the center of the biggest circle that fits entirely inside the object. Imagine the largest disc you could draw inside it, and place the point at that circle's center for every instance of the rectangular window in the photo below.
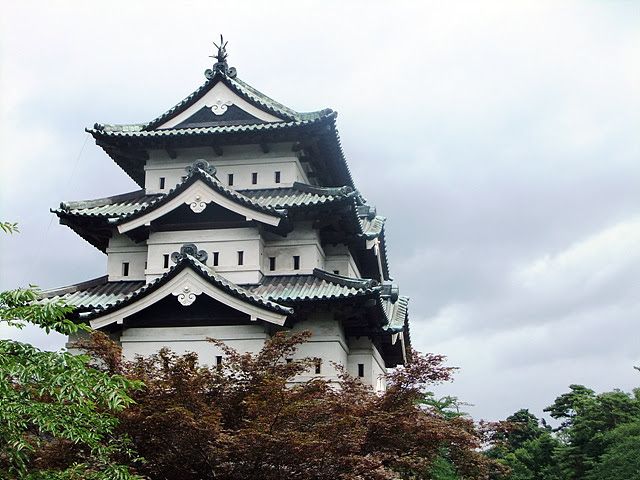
(165, 260)
(216, 258)
(296, 262)
(277, 175)
(272, 263)
(289, 360)
(318, 365)
(218, 360)
(230, 179)
(240, 257)
(161, 183)
(125, 269)
(254, 178)
(145, 265)
(337, 272)
(361, 369)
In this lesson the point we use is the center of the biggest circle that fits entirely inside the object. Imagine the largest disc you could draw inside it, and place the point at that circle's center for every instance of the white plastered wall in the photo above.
(241, 161)
(122, 249)
(304, 242)
(363, 351)
(227, 242)
(338, 259)
(147, 341)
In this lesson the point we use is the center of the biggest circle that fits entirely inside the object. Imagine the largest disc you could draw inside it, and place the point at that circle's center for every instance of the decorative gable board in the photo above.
(219, 105)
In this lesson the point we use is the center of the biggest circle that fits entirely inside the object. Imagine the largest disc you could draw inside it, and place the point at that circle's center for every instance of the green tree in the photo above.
(54, 401)
(621, 457)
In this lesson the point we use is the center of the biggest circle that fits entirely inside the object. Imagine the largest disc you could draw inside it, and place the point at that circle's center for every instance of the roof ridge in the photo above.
(94, 282)
(346, 281)
(99, 202)
(307, 188)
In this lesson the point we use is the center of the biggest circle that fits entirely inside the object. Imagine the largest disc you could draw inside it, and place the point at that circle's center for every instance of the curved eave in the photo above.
(247, 206)
(101, 317)
(244, 90)
(129, 149)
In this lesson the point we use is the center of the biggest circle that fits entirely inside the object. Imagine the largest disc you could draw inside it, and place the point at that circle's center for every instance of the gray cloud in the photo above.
(500, 139)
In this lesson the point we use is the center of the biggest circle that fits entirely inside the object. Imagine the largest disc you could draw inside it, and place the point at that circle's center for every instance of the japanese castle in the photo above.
(247, 222)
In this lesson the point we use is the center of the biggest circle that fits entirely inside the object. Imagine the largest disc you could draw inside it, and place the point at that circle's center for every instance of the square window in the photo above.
(161, 183)
(296, 262)
(272, 263)
(289, 360)
(337, 272)
(240, 257)
(216, 258)
(165, 259)
(230, 179)
(361, 369)
(254, 178)
(125, 269)
(277, 177)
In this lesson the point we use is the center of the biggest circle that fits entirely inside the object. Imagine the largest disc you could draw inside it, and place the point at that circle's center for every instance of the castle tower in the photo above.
(247, 222)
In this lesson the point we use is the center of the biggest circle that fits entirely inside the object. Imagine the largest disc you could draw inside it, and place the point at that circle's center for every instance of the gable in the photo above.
(186, 287)
(219, 106)
(198, 195)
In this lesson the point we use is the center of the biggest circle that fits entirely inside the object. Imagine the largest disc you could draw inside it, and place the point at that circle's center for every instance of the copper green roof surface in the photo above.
(137, 131)
(123, 206)
(245, 91)
(97, 293)
(205, 272)
(372, 228)
(101, 295)
(319, 286)
(397, 313)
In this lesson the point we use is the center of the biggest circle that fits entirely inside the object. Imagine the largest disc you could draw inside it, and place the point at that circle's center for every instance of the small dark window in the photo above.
(272, 263)
(230, 179)
(240, 257)
(277, 175)
(184, 177)
(145, 265)
(166, 260)
(337, 272)
(361, 369)
(318, 365)
(125, 269)
(161, 183)
(218, 360)
(254, 178)
(289, 360)
(216, 258)
(296, 262)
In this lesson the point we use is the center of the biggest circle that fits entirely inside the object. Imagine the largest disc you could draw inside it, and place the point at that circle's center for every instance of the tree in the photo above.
(54, 402)
(247, 419)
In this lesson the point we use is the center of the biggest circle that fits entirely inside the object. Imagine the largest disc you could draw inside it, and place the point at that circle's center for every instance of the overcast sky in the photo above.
(501, 140)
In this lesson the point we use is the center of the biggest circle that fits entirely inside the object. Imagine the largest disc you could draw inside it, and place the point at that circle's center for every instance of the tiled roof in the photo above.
(200, 268)
(246, 91)
(124, 206)
(320, 285)
(114, 206)
(299, 195)
(372, 227)
(128, 131)
(397, 313)
(97, 293)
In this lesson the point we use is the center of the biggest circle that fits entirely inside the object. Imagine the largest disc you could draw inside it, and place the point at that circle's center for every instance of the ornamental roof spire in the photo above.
(221, 61)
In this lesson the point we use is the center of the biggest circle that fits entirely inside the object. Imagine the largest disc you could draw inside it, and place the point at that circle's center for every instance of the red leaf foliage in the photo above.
(246, 419)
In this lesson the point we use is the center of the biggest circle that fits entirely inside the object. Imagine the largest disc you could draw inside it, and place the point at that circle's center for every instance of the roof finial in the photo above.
(221, 61)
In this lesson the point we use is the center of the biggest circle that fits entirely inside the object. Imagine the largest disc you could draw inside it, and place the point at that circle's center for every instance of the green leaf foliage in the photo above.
(54, 402)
